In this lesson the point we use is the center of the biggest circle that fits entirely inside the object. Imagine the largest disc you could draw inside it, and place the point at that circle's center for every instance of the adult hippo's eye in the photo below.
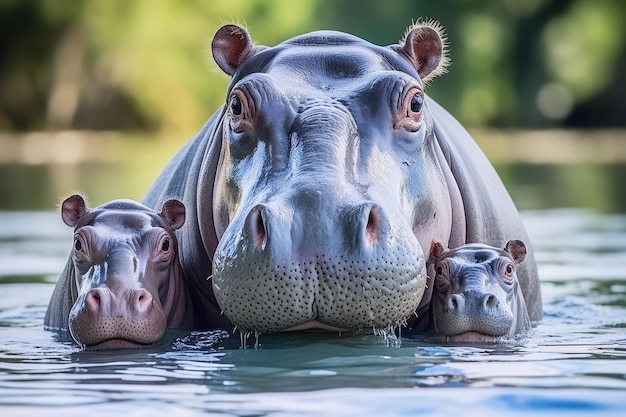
(509, 269)
(416, 103)
(409, 116)
(240, 112)
(77, 245)
(235, 106)
(165, 246)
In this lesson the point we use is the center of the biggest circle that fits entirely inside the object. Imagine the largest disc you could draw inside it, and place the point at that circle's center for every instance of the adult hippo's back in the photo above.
(314, 192)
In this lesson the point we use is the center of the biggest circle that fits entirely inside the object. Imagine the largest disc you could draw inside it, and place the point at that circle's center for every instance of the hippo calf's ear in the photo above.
(425, 45)
(72, 209)
(173, 212)
(517, 249)
(231, 46)
(436, 249)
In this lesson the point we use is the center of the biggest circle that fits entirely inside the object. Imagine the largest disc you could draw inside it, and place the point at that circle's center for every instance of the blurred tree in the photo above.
(526, 63)
(135, 65)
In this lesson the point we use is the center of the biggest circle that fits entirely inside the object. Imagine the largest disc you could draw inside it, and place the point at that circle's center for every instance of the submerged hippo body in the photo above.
(314, 193)
(476, 295)
(123, 284)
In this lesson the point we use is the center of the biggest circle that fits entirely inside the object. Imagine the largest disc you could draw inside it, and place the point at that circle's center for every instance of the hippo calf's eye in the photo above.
(77, 245)
(442, 279)
(165, 246)
(507, 273)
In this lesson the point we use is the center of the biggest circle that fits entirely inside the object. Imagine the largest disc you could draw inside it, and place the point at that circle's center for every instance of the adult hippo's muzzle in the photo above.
(285, 272)
(311, 251)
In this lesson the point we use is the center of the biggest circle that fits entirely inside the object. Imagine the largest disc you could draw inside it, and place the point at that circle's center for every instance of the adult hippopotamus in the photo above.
(314, 193)
(123, 284)
(476, 294)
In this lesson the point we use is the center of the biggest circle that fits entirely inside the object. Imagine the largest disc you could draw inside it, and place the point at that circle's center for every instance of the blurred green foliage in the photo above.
(145, 64)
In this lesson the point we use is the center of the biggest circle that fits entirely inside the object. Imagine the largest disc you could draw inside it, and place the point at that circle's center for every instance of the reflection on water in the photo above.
(573, 362)
(542, 186)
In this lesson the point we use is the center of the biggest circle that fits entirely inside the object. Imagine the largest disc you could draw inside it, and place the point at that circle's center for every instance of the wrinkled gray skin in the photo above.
(123, 284)
(476, 295)
(313, 195)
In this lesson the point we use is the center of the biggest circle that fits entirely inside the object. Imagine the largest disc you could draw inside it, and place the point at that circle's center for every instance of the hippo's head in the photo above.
(327, 188)
(127, 274)
(476, 296)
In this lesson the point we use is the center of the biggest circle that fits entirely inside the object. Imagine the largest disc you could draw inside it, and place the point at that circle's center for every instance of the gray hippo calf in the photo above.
(123, 284)
(314, 193)
(476, 295)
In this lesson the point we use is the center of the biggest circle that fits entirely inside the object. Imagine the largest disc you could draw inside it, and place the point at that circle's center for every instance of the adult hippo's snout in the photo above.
(286, 272)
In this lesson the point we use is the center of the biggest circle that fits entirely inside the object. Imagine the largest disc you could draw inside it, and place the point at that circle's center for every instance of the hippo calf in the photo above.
(123, 284)
(476, 295)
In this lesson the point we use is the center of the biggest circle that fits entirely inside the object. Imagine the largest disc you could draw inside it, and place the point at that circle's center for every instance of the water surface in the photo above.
(572, 363)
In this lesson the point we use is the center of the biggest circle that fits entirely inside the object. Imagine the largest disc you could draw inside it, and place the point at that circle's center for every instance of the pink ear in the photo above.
(424, 45)
(72, 209)
(173, 212)
(231, 46)
(436, 249)
(517, 249)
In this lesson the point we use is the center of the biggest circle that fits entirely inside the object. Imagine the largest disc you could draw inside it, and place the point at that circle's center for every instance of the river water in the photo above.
(572, 363)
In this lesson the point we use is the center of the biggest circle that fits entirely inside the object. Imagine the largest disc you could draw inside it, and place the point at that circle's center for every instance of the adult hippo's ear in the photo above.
(517, 250)
(173, 212)
(231, 46)
(425, 46)
(72, 209)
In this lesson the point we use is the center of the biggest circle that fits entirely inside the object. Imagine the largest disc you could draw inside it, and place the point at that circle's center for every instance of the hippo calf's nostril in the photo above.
(143, 300)
(455, 302)
(93, 301)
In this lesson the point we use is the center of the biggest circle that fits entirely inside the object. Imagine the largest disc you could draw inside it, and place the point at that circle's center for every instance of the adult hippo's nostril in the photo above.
(490, 301)
(255, 227)
(369, 224)
(372, 228)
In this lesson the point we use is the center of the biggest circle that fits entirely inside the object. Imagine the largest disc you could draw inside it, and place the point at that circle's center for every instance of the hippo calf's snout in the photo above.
(103, 301)
(116, 318)
(124, 282)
